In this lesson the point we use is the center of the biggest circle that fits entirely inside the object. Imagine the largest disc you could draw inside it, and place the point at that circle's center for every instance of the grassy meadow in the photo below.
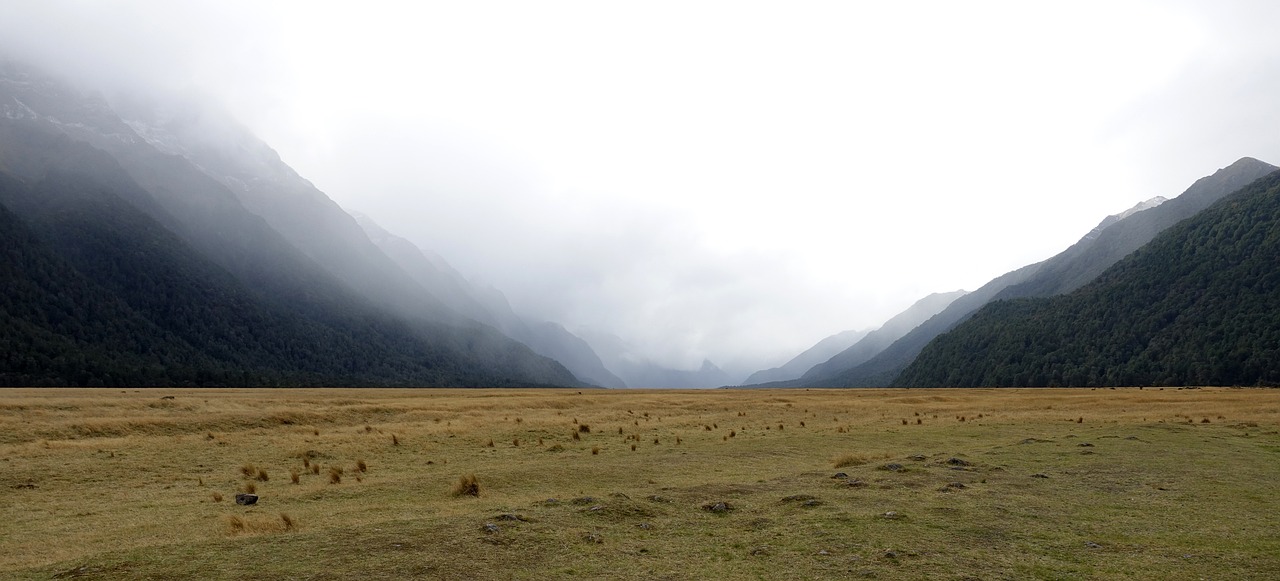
(621, 484)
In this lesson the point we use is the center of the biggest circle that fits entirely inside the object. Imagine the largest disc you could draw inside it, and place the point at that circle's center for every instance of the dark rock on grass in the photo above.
(584, 500)
(811, 503)
(491, 528)
(1034, 441)
(1093, 545)
(1039, 475)
(1085, 445)
(512, 517)
(958, 462)
(954, 486)
(855, 483)
(658, 498)
(892, 515)
(918, 457)
(551, 502)
(246, 499)
(839, 475)
(893, 467)
(717, 507)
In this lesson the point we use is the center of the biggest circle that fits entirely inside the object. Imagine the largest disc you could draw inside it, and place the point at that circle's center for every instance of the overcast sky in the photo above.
(728, 180)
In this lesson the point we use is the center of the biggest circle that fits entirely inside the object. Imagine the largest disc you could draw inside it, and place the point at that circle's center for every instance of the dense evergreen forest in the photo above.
(1199, 305)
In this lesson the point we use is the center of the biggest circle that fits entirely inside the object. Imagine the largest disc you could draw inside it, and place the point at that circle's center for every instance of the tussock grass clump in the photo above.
(361, 466)
(294, 476)
(394, 440)
(315, 468)
(248, 470)
(249, 488)
(584, 428)
(238, 525)
(263, 476)
(595, 450)
(217, 497)
(576, 437)
(467, 485)
(845, 460)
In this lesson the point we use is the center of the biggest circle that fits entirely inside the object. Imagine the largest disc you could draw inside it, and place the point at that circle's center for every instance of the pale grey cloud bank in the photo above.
(719, 180)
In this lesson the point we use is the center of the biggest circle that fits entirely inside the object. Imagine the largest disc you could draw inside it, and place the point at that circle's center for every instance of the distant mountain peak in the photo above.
(1112, 219)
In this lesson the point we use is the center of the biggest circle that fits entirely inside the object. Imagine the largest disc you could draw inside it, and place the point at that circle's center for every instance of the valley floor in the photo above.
(622, 484)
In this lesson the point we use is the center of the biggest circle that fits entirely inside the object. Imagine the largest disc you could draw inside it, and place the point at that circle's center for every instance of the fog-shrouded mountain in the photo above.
(1198, 305)
(1064, 272)
(640, 372)
(820, 352)
(490, 306)
(227, 267)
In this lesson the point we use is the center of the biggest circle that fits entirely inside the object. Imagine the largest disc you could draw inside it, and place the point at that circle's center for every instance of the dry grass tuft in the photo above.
(394, 440)
(238, 525)
(335, 475)
(263, 476)
(248, 470)
(217, 497)
(844, 460)
(294, 476)
(595, 450)
(584, 428)
(315, 468)
(361, 466)
(467, 485)
(576, 437)
(249, 488)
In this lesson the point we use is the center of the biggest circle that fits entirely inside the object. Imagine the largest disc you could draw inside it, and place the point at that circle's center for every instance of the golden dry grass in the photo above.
(127, 484)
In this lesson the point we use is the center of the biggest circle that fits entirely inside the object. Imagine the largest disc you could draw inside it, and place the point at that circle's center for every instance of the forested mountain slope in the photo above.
(1067, 270)
(1199, 305)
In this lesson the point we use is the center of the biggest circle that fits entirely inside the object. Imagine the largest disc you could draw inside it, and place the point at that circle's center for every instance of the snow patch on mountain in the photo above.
(1112, 219)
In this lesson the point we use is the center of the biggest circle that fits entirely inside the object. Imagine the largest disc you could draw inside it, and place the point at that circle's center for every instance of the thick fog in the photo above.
(721, 180)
